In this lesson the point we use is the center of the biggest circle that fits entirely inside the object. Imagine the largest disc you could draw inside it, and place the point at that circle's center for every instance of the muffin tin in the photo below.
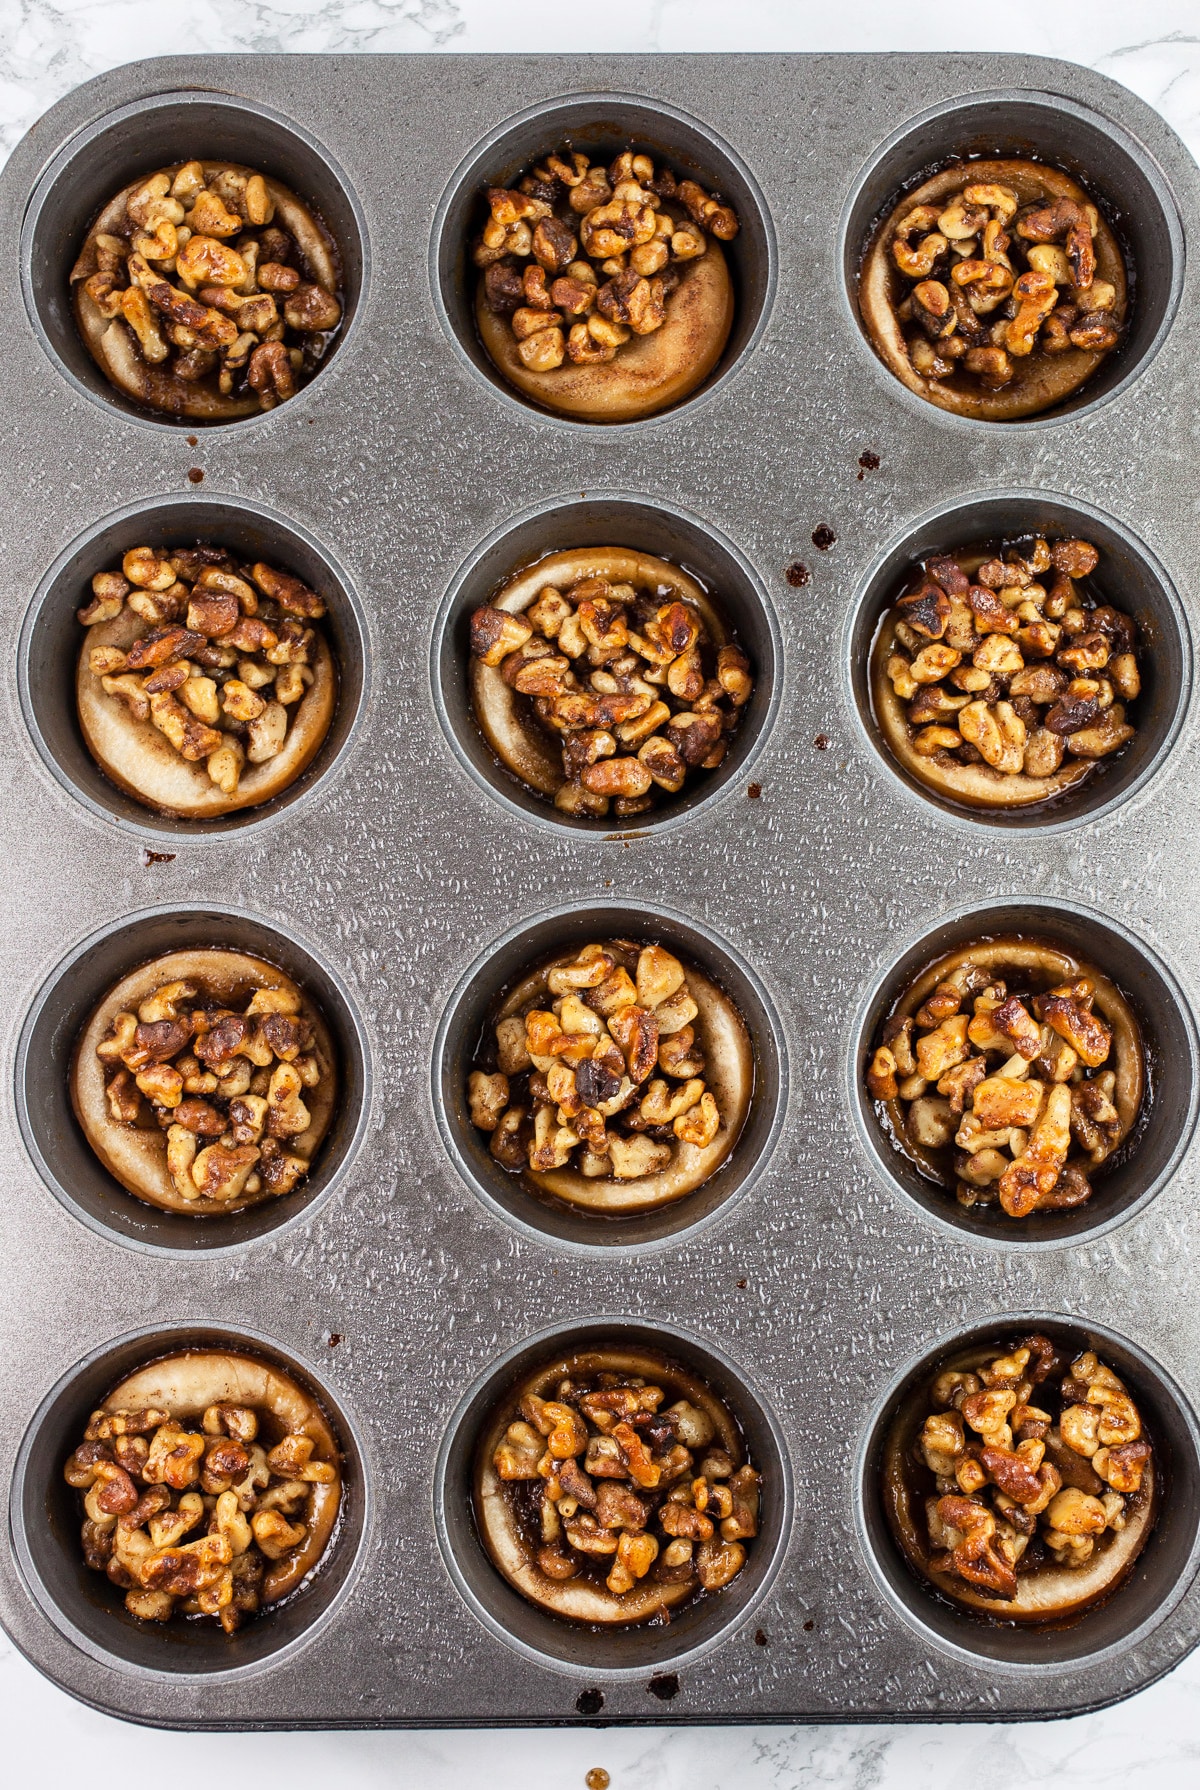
(402, 1281)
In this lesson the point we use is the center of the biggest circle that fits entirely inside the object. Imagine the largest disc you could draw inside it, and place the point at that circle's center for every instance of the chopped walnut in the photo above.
(595, 1079)
(214, 290)
(1020, 1479)
(1006, 1086)
(1016, 668)
(617, 1486)
(223, 661)
(632, 688)
(184, 1526)
(229, 1090)
(592, 252)
(985, 281)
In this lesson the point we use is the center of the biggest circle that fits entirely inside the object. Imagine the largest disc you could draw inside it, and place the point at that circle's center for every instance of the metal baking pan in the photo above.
(401, 1281)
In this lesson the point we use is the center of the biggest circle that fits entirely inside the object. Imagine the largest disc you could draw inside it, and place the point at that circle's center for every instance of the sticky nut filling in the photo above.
(1010, 661)
(190, 1522)
(608, 1078)
(229, 1089)
(631, 687)
(611, 1485)
(223, 661)
(1035, 1464)
(986, 281)
(1015, 1091)
(581, 259)
(211, 288)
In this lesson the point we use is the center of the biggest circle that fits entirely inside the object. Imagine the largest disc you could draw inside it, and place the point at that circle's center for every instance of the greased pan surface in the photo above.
(399, 1293)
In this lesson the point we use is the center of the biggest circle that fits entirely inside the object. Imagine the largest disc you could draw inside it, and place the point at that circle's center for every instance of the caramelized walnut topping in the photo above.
(212, 289)
(633, 689)
(1035, 1464)
(228, 1089)
(224, 655)
(1011, 661)
(614, 1485)
(606, 1076)
(1013, 1088)
(191, 1524)
(984, 281)
(581, 259)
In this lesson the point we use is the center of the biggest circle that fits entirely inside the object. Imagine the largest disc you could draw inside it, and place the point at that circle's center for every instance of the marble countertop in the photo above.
(1151, 1742)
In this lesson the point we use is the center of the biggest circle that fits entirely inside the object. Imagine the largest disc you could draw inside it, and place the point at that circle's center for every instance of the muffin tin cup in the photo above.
(609, 519)
(636, 1652)
(55, 1140)
(1161, 1575)
(45, 1515)
(408, 873)
(1129, 576)
(1144, 1164)
(135, 139)
(1118, 173)
(52, 638)
(465, 1020)
(602, 124)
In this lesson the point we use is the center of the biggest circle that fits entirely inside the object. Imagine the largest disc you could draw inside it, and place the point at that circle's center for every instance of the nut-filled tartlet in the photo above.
(1020, 1480)
(612, 1486)
(207, 291)
(204, 685)
(210, 1483)
(613, 1078)
(607, 680)
(205, 1082)
(1011, 1072)
(1000, 678)
(995, 289)
(604, 293)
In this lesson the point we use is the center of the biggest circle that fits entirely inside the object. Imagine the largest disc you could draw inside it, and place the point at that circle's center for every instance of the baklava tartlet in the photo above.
(204, 685)
(604, 293)
(210, 1483)
(1000, 678)
(1011, 1072)
(205, 1082)
(605, 679)
(207, 291)
(612, 1486)
(1020, 1482)
(995, 289)
(614, 1078)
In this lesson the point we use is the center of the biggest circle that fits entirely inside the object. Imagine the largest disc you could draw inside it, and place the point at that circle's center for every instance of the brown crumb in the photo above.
(742, 1283)
(335, 1337)
(156, 857)
(760, 1637)
(754, 790)
(823, 537)
(809, 1626)
(868, 462)
(193, 441)
(797, 574)
(195, 475)
(821, 742)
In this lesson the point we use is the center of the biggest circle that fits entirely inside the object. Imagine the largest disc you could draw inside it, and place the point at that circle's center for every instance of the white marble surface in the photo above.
(1151, 1742)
